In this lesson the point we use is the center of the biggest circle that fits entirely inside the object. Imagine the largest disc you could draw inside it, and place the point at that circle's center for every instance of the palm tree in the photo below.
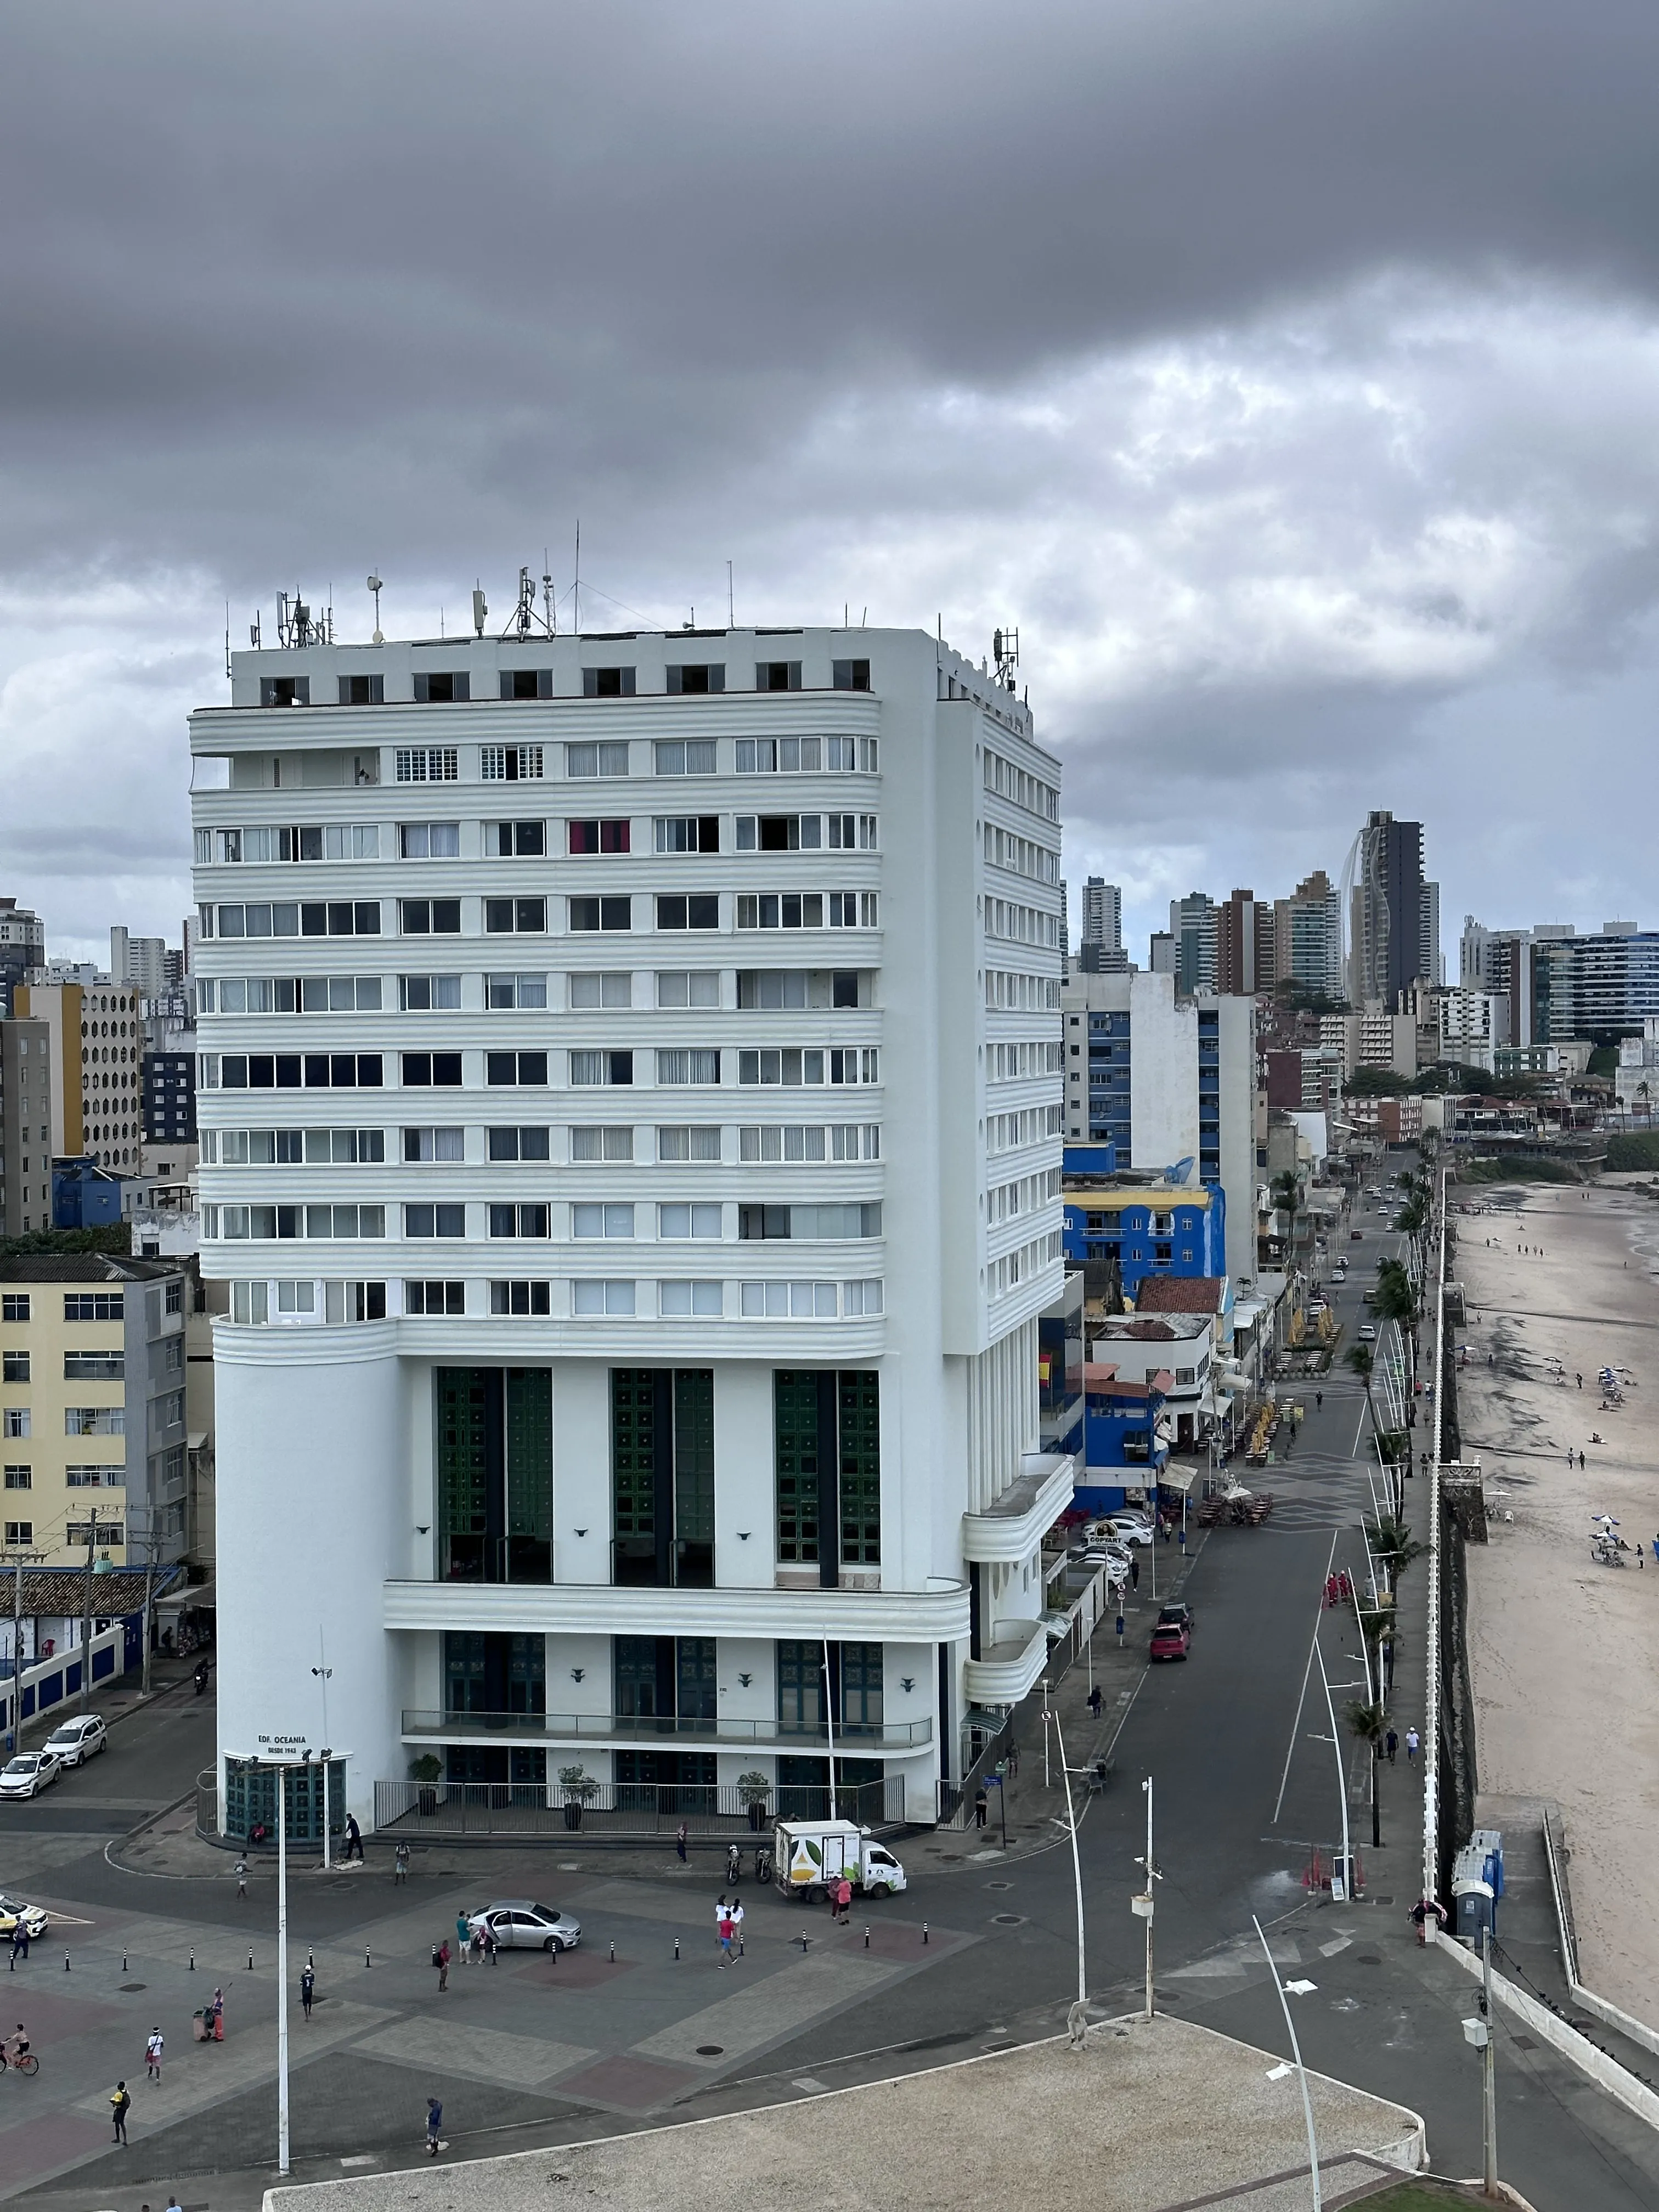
(1360, 1358)
(1396, 1301)
(1285, 1193)
(1370, 1724)
(1393, 1547)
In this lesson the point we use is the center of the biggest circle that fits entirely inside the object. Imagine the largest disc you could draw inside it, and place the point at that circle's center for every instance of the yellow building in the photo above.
(92, 1408)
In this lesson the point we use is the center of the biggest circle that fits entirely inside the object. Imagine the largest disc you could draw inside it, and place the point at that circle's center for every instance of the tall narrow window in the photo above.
(827, 1468)
(495, 1474)
(662, 1460)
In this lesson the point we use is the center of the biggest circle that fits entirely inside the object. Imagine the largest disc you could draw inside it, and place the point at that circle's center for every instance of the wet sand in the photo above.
(1564, 1653)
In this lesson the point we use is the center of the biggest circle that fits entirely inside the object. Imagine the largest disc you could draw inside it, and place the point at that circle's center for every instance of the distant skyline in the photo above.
(1285, 375)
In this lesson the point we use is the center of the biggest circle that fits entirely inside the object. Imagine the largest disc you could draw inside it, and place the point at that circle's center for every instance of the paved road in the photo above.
(1246, 1783)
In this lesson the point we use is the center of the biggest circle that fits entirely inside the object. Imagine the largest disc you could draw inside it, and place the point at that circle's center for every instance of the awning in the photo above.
(986, 1718)
(1178, 1479)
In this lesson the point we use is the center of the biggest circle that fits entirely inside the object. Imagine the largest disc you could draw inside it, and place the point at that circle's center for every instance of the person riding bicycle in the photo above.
(16, 2046)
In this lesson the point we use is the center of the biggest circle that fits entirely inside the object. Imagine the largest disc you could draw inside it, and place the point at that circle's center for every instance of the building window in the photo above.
(681, 1300)
(20, 1478)
(681, 1068)
(696, 987)
(515, 840)
(850, 674)
(597, 1144)
(429, 917)
(425, 1221)
(527, 1069)
(684, 755)
(662, 1460)
(429, 1298)
(15, 1421)
(808, 910)
(442, 687)
(595, 760)
(604, 684)
(596, 913)
(519, 1299)
(19, 1532)
(698, 676)
(508, 993)
(688, 833)
(600, 1067)
(527, 683)
(520, 1144)
(596, 1219)
(590, 1299)
(598, 836)
(699, 911)
(94, 1367)
(495, 1484)
(510, 763)
(519, 1220)
(777, 676)
(428, 994)
(433, 1144)
(688, 1221)
(689, 1145)
(429, 841)
(13, 1305)
(426, 763)
(502, 916)
(827, 1446)
(423, 1070)
(14, 1367)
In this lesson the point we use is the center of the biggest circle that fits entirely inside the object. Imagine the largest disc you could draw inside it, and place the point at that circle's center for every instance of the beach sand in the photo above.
(1564, 1653)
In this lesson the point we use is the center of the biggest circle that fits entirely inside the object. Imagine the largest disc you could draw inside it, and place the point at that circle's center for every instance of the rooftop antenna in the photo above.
(730, 619)
(480, 610)
(253, 630)
(226, 637)
(576, 589)
(377, 587)
(1005, 644)
(548, 615)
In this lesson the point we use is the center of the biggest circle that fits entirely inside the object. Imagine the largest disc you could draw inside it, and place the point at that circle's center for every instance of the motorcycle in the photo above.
(201, 1678)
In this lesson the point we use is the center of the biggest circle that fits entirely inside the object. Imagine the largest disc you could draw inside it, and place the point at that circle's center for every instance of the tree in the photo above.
(1370, 1724)
(1393, 1547)
(1360, 1358)
(1287, 1195)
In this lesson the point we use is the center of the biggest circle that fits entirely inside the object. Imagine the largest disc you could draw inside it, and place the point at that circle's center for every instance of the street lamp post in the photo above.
(1301, 2070)
(1342, 1778)
(325, 1674)
(1077, 1866)
(1143, 1904)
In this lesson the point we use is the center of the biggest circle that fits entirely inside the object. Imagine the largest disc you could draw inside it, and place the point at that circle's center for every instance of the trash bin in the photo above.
(201, 2027)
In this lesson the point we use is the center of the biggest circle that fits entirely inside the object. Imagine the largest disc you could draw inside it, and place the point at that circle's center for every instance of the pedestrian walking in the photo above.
(463, 1937)
(1393, 1744)
(354, 1839)
(981, 1806)
(725, 1931)
(121, 2104)
(679, 1841)
(1134, 1572)
(487, 1940)
(20, 1939)
(400, 1861)
(216, 2015)
(1319, 1402)
(1412, 1741)
(440, 1960)
(1010, 1758)
(1094, 1701)
(737, 1924)
(152, 2055)
(1581, 1382)
(435, 2120)
(307, 1990)
(844, 1899)
(241, 1877)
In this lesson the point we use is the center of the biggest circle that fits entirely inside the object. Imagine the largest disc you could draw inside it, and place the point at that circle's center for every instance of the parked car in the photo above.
(78, 1739)
(33, 1919)
(518, 1925)
(29, 1773)
(1368, 1334)
(1171, 1640)
(1179, 1615)
(1128, 1529)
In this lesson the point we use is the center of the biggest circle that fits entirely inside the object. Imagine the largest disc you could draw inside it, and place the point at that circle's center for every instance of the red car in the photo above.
(1171, 1640)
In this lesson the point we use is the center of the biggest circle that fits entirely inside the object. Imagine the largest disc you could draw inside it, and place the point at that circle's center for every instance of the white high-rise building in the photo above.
(630, 1118)
(1103, 913)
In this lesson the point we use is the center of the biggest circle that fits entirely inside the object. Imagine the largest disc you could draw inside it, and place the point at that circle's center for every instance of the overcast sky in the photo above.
(1288, 373)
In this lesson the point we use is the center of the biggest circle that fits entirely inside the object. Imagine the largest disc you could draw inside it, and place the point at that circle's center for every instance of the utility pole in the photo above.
(149, 1590)
(282, 1965)
(86, 1615)
(1142, 1905)
(1489, 2076)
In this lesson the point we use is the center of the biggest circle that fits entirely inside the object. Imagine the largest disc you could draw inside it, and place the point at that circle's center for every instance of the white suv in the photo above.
(76, 1740)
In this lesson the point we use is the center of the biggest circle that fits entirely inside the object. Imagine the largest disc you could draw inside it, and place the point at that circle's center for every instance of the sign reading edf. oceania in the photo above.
(292, 1745)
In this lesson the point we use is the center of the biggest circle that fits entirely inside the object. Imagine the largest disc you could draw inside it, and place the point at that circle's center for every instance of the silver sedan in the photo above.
(518, 1925)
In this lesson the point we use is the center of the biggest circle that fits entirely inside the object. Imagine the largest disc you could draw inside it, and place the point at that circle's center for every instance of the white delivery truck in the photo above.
(808, 1854)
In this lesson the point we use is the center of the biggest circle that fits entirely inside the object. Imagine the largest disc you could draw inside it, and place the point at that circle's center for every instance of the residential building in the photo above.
(26, 1118)
(1473, 1025)
(1172, 1350)
(1603, 987)
(1245, 945)
(1127, 1442)
(1162, 955)
(1308, 936)
(1149, 1233)
(139, 961)
(1102, 914)
(1192, 927)
(669, 1275)
(169, 1093)
(1389, 1121)
(1431, 959)
(1637, 1075)
(1387, 948)
(22, 947)
(1166, 1079)
(97, 1107)
(92, 1407)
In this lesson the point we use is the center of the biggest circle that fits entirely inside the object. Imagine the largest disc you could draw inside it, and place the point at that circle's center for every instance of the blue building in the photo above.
(1123, 1449)
(1164, 1229)
(84, 1195)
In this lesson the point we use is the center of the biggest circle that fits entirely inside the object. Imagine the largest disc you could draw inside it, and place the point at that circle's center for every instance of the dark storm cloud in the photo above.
(1289, 370)
(293, 260)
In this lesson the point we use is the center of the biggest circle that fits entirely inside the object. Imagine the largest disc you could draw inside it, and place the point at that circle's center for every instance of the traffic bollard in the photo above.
(924, 1931)
(866, 1935)
(249, 1958)
(124, 1962)
(367, 1961)
(193, 1962)
(66, 1964)
(676, 1949)
(613, 1954)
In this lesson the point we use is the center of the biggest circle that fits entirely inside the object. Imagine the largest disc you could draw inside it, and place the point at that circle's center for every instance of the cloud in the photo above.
(1284, 374)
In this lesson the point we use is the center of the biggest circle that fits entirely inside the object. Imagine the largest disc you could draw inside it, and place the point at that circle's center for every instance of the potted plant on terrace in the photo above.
(578, 1786)
(755, 1790)
(425, 1770)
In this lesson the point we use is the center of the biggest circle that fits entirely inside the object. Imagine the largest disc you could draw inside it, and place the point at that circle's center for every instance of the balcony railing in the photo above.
(653, 1728)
